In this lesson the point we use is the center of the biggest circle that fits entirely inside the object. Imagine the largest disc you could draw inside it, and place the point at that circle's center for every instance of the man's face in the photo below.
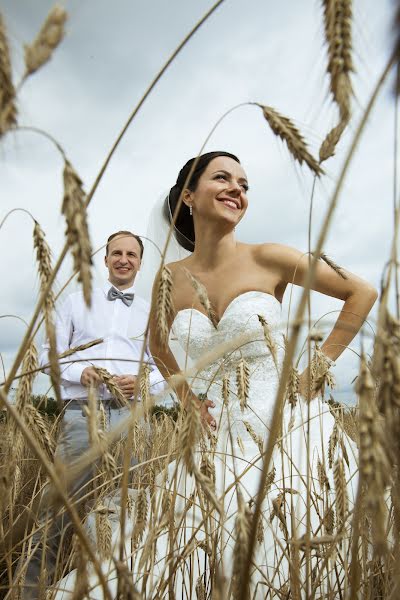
(123, 261)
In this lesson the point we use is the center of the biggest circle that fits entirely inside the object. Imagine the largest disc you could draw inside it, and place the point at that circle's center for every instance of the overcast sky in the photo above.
(259, 50)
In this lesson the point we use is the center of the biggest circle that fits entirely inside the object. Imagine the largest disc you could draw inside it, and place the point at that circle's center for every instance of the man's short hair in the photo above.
(126, 234)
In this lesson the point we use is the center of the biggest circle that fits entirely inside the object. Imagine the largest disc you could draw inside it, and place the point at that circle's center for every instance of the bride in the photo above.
(222, 303)
(223, 290)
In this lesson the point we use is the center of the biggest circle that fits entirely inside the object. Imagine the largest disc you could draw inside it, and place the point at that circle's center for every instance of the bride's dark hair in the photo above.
(184, 229)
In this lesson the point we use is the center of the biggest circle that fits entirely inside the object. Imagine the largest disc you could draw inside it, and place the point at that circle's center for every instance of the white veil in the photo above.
(154, 242)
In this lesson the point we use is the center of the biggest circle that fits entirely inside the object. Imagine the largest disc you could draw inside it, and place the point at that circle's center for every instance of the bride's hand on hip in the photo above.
(205, 416)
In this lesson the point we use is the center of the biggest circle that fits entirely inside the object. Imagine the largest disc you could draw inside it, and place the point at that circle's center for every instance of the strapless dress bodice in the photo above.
(198, 336)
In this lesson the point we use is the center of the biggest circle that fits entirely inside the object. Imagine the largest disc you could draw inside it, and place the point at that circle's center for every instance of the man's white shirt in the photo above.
(122, 329)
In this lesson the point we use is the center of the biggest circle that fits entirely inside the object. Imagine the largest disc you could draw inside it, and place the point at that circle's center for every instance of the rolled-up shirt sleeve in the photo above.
(70, 371)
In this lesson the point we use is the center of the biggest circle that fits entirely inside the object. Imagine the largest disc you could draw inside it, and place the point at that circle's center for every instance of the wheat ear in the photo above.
(39, 429)
(8, 110)
(338, 36)
(243, 382)
(242, 532)
(48, 38)
(113, 388)
(288, 132)
(293, 387)
(164, 306)
(189, 433)
(269, 340)
(74, 210)
(201, 292)
(43, 258)
(144, 385)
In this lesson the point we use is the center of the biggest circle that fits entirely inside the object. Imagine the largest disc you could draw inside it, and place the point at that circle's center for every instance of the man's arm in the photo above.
(71, 372)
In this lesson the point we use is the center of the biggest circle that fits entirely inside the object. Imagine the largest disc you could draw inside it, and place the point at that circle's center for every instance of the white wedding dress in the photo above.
(200, 548)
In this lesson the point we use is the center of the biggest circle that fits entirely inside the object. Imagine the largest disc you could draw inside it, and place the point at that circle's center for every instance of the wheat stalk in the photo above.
(47, 40)
(141, 515)
(103, 532)
(125, 589)
(144, 386)
(338, 37)
(226, 389)
(189, 433)
(113, 388)
(375, 468)
(293, 386)
(39, 429)
(288, 132)
(269, 340)
(257, 439)
(81, 589)
(43, 259)
(29, 367)
(74, 210)
(339, 270)
(201, 292)
(8, 110)
(164, 306)
(242, 532)
(339, 479)
(328, 146)
(243, 383)
(80, 348)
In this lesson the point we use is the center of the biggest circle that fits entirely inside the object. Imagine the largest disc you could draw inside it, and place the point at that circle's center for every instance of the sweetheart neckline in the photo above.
(229, 305)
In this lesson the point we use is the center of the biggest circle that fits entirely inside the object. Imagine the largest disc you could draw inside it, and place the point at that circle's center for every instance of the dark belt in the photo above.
(79, 403)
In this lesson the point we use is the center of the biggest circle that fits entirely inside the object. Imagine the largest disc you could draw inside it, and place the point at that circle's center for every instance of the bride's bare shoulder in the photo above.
(273, 252)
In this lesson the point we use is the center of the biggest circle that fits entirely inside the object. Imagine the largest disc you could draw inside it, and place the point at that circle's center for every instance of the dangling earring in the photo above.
(191, 210)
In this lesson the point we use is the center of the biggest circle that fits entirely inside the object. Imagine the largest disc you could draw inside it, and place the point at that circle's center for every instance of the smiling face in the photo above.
(123, 261)
(221, 191)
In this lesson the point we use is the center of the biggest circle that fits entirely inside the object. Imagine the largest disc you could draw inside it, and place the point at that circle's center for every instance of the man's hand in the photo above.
(127, 384)
(89, 377)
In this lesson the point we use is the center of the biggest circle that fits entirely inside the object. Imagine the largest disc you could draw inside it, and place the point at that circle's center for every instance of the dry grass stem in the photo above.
(47, 40)
(288, 132)
(164, 306)
(8, 110)
(74, 210)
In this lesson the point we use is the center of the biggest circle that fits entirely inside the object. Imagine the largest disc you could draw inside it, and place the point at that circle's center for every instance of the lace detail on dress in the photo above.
(198, 337)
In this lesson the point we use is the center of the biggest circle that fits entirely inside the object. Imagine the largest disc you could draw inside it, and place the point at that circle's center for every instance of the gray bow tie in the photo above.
(113, 294)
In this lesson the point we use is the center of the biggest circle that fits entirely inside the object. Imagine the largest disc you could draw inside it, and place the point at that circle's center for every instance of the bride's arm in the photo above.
(358, 295)
(168, 366)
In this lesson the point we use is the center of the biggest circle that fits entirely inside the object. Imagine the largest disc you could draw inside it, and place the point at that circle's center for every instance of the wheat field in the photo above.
(350, 548)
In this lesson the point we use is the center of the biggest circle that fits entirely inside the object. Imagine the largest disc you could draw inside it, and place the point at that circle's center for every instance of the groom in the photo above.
(118, 316)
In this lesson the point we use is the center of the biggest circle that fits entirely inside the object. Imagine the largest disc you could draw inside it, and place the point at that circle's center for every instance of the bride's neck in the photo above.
(213, 247)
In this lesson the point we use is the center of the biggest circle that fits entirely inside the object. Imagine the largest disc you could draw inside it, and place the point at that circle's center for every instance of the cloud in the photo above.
(272, 53)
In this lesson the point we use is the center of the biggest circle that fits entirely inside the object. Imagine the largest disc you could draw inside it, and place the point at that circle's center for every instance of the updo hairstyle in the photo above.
(184, 229)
